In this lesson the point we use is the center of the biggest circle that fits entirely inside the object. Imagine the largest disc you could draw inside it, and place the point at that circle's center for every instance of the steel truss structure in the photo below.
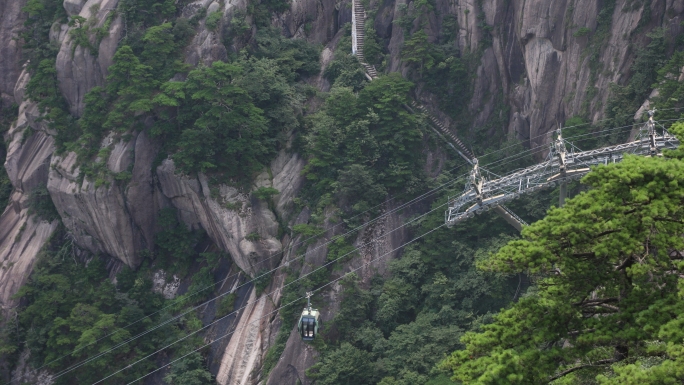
(564, 163)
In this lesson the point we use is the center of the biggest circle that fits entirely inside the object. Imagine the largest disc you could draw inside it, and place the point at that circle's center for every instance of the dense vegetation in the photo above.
(363, 145)
(230, 118)
(396, 330)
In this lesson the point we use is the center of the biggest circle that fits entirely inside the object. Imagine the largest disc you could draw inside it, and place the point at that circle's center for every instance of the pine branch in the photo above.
(578, 367)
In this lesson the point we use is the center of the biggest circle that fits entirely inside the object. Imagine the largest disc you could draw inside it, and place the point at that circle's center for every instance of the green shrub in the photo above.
(67, 304)
(265, 193)
(202, 284)
(7, 116)
(213, 20)
(261, 281)
(307, 230)
(234, 206)
(362, 146)
(209, 137)
(225, 305)
(253, 237)
(191, 370)
(175, 243)
(40, 203)
(581, 32)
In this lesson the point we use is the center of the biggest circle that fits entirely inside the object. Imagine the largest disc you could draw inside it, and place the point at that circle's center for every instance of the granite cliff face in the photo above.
(532, 60)
(11, 21)
(535, 60)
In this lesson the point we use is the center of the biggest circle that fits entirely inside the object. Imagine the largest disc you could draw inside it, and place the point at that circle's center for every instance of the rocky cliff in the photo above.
(534, 70)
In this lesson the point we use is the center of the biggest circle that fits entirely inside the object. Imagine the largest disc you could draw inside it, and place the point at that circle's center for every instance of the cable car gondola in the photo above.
(308, 321)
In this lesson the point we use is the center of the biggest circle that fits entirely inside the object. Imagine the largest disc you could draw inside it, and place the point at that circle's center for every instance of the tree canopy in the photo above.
(608, 304)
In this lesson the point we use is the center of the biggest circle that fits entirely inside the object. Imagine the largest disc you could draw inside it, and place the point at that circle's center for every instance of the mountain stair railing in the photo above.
(485, 190)
(358, 34)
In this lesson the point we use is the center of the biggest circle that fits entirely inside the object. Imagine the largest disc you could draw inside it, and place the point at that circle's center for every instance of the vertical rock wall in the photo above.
(78, 70)
(11, 22)
(22, 235)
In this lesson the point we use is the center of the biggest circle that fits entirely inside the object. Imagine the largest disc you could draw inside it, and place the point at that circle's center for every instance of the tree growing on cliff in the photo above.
(362, 146)
(609, 301)
(217, 125)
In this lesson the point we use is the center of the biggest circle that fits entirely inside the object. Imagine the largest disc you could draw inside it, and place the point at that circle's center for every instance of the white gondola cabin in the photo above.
(308, 321)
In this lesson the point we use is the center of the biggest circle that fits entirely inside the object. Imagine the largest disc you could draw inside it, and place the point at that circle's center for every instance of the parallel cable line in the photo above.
(582, 125)
(76, 366)
(401, 207)
(545, 147)
(421, 197)
(274, 311)
(268, 314)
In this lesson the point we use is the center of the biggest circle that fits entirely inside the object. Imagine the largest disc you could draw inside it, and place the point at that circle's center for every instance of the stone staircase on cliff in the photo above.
(359, 27)
(445, 131)
(358, 34)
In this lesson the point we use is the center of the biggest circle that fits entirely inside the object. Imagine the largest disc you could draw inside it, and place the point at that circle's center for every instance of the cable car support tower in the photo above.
(486, 191)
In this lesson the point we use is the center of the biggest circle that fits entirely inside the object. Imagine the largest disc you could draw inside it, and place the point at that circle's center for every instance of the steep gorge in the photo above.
(534, 64)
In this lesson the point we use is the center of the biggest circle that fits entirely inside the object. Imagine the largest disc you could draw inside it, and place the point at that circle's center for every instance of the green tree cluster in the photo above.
(70, 305)
(362, 146)
(232, 128)
(608, 301)
(230, 118)
(345, 70)
(217, 125)
(134, 78)
(189, 371)
(396, 331)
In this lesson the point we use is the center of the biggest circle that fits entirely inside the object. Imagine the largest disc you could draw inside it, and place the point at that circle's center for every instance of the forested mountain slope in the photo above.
(162, 153)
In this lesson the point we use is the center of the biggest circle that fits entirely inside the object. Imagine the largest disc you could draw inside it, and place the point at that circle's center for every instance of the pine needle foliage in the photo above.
(609, 300)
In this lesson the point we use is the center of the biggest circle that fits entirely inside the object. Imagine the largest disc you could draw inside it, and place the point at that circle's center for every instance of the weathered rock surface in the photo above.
(73, 7)
(24, 374)
(296, 358)
(11, 22)
(533, 59)
(245, 350)
(78, 70)
(22, 235)
(21, 238)
(29, 150)
(316, 21)
(108, 216)
(206, 46)
(237, 222)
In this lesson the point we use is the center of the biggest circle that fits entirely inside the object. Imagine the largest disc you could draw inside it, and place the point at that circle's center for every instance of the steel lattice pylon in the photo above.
(564, 163)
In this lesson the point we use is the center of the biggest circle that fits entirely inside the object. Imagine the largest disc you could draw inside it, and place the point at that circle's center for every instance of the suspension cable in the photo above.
(258, 319)
(417, 199)
(76, 366)
(423, 196)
